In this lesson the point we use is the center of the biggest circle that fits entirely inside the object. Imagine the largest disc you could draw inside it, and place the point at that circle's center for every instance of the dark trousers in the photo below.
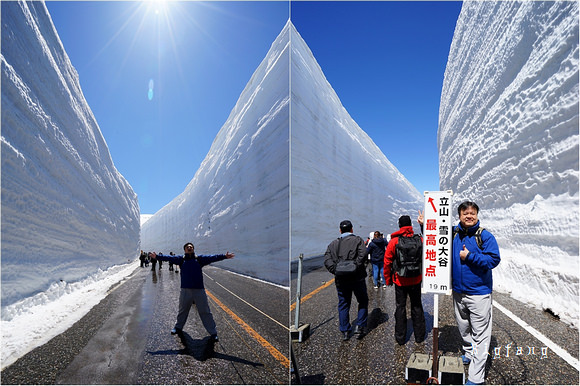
(414, 293)
(345, 289)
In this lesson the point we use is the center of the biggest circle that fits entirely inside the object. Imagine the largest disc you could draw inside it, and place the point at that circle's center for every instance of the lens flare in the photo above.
(150, 92)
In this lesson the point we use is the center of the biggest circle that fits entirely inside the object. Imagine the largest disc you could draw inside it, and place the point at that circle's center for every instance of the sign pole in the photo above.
(435, 334)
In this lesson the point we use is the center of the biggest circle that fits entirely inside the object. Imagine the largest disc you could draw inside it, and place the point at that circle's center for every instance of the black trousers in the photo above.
(414, 293)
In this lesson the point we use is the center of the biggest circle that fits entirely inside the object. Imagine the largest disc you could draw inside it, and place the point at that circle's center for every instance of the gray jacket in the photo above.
(351, 248)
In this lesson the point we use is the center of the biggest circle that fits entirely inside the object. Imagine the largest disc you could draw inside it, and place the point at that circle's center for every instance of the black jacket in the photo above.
(351, 248)
(376, 249)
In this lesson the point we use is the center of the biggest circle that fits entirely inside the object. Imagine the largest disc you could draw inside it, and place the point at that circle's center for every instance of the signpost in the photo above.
(437, 240)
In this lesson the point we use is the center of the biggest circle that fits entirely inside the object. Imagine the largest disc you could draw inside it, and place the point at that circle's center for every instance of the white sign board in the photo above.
(437, 234)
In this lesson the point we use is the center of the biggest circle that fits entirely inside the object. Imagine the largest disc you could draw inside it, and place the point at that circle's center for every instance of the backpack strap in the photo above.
(478, 233)
(338, 249)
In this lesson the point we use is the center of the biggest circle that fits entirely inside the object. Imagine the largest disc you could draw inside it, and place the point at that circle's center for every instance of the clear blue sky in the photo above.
(385, 60)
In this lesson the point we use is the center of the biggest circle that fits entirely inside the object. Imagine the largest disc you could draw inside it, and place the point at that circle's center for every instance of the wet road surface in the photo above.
(126, 338)
(516, 357)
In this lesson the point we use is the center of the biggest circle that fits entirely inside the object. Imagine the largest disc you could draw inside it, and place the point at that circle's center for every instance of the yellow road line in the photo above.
(271, 349)
(311, 294)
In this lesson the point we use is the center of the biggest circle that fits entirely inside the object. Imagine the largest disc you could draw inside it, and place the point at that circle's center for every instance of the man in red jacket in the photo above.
(404, 286)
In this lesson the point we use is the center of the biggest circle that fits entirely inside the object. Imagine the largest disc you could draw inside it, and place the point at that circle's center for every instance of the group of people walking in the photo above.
(474, 254)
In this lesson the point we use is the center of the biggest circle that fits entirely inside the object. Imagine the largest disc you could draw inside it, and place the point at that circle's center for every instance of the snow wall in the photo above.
(508, 140)
(67, 213)
(238, 200)
(338, 172)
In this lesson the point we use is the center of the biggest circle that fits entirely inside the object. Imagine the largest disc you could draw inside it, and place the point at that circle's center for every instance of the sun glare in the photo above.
(158, 6)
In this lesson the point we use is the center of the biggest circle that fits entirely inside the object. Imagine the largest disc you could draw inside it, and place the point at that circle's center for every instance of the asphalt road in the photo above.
(126, 338)
(516, 356)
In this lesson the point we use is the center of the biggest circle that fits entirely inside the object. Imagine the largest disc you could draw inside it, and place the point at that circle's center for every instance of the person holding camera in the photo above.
(192, 287)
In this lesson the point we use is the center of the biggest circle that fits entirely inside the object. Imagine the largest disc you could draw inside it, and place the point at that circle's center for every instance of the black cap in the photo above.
(405, 221)
(346, 226)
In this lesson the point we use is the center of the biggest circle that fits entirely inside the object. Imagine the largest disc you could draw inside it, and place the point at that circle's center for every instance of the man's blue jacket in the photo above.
(473, 275)
(191, 264)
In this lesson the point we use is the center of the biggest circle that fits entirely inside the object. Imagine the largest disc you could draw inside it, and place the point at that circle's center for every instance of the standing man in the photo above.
(402, 267)
(475, 253)
(349, 250)
(192, 288)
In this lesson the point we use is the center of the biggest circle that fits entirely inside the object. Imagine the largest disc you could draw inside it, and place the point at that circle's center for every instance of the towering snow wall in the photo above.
(338, 172)
(66, 211)
(508, 139)
(238, 199)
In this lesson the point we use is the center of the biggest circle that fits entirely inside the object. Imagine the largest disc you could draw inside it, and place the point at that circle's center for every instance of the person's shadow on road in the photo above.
(201, 350)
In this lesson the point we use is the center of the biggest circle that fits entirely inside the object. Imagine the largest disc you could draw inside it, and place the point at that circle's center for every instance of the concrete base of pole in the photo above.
(418, 368)
(301, 333)
(451, 371)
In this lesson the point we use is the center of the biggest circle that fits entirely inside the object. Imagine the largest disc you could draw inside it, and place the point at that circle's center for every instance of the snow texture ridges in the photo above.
(508, 139)
(67, 213)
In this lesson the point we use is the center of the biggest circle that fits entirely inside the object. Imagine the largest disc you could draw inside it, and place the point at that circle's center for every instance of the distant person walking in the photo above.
(475, 253)
(376, 249)
(402, 266)
(142, 258)
(192, 287)
(345, 258)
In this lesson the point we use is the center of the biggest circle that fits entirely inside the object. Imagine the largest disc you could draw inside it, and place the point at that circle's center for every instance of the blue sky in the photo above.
(386, 61)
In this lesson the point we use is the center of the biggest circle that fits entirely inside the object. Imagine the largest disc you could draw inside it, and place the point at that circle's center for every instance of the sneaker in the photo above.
(466, 361)
(214, 338)
(384, 286)
(376, 287)
(346, 335)
(176, 331)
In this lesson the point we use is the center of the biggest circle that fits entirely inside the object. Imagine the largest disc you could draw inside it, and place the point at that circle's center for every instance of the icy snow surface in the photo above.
(68, 216)
(508, 139)
(337, 170)
(238, 199)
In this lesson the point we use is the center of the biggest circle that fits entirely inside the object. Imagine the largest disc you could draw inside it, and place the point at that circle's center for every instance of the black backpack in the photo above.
(408, 256)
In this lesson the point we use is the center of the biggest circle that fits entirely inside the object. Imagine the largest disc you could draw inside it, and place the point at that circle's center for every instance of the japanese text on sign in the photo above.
(437, 228)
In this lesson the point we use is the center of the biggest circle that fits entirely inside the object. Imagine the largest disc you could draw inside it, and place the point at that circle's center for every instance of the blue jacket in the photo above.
(191, 264)
(473, 275)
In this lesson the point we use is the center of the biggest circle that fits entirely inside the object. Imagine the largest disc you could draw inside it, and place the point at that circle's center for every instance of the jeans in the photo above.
(345, 289)
(378, 277)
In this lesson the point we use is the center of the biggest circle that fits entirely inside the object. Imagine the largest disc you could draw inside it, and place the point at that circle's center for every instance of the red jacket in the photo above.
(393, 277)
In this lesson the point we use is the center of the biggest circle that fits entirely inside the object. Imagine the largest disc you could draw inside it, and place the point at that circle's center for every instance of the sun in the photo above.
(159, 7)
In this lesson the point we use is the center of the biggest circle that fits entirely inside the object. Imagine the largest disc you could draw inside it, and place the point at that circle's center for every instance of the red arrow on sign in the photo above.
(432, 204)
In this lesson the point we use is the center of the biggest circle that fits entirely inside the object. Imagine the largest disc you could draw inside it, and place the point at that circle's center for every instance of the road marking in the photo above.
(271, 349)
(542, 338)
(311, 294)
(252, 306)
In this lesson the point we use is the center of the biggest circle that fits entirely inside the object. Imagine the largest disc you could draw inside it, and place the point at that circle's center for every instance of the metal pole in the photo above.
(298, 291)
(435, 334)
